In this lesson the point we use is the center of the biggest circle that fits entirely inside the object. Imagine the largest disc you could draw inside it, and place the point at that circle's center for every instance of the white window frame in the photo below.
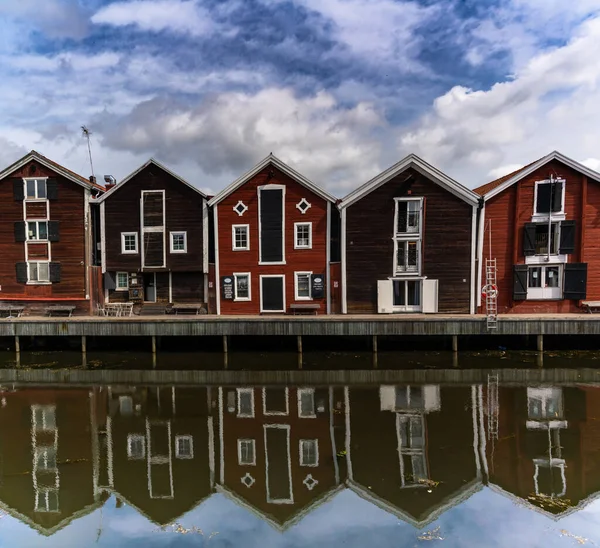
(416, 271)
(190, 440)
(244, 208)
(37, 230)
(270, 413)
(234, 246)
(137, 243)
(172, 241)
(235, 295)
(44, 493)
(252, 442)
(310, 391)
(36, 199)
(38, 281)
(554, 215)
(301, 209)
(296, 227)
(130, 439)
(241, 391)
(45, 409)
(120, 287)
(546, 293)
(300, 445)
(402, 237)
(407, 307)
(297, 297)
(260, 278)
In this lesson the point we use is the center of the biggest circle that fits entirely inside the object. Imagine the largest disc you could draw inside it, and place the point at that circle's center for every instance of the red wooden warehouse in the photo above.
(46, 239)
(541, 225)
(272, 243)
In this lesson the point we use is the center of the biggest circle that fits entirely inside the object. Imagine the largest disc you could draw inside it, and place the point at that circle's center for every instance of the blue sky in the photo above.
(340, 89)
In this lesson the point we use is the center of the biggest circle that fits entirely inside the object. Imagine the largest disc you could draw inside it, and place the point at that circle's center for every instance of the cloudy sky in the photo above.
(340, 89)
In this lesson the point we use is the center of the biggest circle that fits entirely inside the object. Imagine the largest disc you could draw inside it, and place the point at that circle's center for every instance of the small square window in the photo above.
(39, 272)
(247, 452)
(241, 237)
(242, 287)
(303, 289)
(35, 189)
(136, 446)
(309, 453)
(37, 230)
(303, 239)
(129, 242)
(122, 281)
(178, 242)
(245, 402)
(306, 402)
(184, 447)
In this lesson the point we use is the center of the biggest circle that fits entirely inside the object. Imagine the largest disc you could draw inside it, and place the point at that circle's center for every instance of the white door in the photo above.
(384, 297)
(430, 296)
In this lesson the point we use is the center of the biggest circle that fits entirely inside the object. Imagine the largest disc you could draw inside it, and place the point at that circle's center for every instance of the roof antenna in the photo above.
(86, 133)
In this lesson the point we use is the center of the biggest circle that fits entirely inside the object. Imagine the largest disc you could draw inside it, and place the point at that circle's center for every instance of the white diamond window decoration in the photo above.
(248, 480)
(303, 206)
(310, 482)
(240, 208)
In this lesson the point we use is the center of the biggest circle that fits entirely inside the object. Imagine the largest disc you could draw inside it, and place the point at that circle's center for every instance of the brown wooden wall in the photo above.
(446, 247)
(297, 260)
(69, 211)
(508, 213)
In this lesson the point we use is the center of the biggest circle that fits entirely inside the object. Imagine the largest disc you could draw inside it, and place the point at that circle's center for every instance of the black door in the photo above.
(272, 294)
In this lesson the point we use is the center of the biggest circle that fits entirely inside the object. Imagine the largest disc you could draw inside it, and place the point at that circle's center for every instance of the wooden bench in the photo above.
(11, 311)
(305, 307)
(590, 306)
(187, 308)
(60, 310)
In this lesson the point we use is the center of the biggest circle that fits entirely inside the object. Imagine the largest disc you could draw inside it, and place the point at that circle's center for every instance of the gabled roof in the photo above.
(491, 189)
(281, 166)
(140, 169)
(67, 173)
(411, 161)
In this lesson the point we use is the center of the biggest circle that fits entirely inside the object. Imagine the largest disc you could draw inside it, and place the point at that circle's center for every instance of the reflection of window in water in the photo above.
(125, 405)
(44, 417)
(45, 458)
(46, 500)
(411, 447)
(549, 477)
(409, 397)
(544, 403)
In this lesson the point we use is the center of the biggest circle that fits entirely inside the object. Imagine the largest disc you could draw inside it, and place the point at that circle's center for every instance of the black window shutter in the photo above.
(54, 272)
(20, 233)
(567, 237)
(520, 282)
(575, 281)
(529, 239)
(110, 281)
(53, 231)
(543, 198)
(18, 189)
(52, 189)
(21, 269)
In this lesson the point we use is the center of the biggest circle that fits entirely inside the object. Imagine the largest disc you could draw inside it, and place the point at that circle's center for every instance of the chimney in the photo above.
(92, 179)
(109, 182)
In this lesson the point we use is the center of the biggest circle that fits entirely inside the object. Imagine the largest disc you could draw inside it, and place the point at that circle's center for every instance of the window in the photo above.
(549, 476)
(44, 417)
(407, 295)
(240, 208)
(408, 215)
(407, 235)
(306, 403)
(129, 242)
(247, 452)
(136, 446)
(37, 230)
(178, 242)
(45, 458)
(309, 452)
(122, 282)
(242, 287)
(39, 272)
(303, 206)
(46, 499)
(35, 189)
(407, 256)
(303, 238)
(409, 397)
(544, 403)
(245, 402)
(184, 447)
(545, 233)
(241, 237)
(544, 282)
(549, 197)
(303, 289)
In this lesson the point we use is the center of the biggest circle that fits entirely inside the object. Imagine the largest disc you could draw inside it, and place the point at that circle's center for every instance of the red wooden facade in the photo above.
(272, 242)
(45, 235)
(546, 263)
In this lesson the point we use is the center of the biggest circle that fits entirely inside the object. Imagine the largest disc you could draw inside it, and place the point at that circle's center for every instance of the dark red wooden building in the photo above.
(542, 226)
(408, 240)
(46, 239)
(272, 243)
(154, 228)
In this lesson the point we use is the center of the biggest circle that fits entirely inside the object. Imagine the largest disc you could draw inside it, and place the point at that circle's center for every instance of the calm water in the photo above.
(386, 465)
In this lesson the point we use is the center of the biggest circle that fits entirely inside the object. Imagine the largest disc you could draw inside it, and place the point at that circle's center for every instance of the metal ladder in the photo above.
(491, 299)
(492, 407)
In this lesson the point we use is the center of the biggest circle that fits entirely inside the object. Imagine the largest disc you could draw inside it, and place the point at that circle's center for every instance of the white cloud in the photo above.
(503, 170)
(181, 16)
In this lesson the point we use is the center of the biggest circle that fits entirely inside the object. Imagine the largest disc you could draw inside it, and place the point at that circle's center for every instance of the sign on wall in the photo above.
(227, 287)
(318, 286)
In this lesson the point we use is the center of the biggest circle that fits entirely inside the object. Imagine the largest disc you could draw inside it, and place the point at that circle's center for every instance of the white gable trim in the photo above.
(422, 167)
(139, 170)
(537, 165)
(276, 162)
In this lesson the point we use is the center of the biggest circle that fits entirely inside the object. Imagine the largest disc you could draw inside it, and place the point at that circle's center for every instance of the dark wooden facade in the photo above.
(437, 275)
(45, 262)
(311, 260)
(153, 206)
(533, 277)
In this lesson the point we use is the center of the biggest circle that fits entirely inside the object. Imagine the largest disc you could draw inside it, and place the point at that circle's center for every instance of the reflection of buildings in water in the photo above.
(48, 462)
(159, 449)
(278, 449)
(408, 456)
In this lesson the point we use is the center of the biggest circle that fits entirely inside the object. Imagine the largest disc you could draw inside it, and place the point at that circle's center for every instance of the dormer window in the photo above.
(549, 197)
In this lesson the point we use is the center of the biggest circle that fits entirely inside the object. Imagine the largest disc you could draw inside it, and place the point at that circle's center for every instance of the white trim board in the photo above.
(281, 166)
(411, 161)
(555, 155)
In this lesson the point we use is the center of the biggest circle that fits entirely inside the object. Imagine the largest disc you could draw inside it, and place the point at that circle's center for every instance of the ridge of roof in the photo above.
(485, 188)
